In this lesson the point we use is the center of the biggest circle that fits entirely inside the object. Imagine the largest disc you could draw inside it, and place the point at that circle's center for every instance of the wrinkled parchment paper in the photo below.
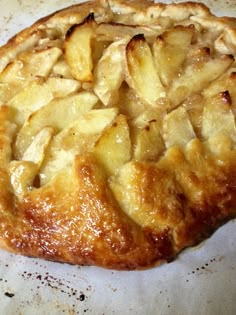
(202, 281)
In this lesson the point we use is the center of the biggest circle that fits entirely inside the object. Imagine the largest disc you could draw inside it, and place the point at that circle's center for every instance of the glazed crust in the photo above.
(147, 212)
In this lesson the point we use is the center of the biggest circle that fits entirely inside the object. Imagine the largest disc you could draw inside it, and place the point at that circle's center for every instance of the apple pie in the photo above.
(117, 133)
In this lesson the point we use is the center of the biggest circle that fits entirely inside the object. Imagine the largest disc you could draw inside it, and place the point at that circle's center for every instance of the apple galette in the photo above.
(117, 133)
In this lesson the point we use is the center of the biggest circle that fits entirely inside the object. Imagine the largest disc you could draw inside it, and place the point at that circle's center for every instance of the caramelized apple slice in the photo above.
(78, 50)
(170, 51)
(146, 135)
(36, 150)
(141, 71)
(197, 76)
(79, 137)
(109, 73)
(29, 65)
(23, 172)
(218, 117)
(37, 94)
(22, 175)
(226, 82)
(62, 87)
(58, 113)
(116, 31)
(177, 128)
(113, 148)
(149, 143)
(148, 115)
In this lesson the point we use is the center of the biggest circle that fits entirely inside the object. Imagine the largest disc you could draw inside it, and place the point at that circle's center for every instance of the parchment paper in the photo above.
(202, 281)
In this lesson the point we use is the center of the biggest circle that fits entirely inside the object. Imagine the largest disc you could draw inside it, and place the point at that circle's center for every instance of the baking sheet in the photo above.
(201, 281)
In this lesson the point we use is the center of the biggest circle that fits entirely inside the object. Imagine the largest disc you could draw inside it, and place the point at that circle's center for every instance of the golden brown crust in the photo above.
(86, 227)
(151, 206)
